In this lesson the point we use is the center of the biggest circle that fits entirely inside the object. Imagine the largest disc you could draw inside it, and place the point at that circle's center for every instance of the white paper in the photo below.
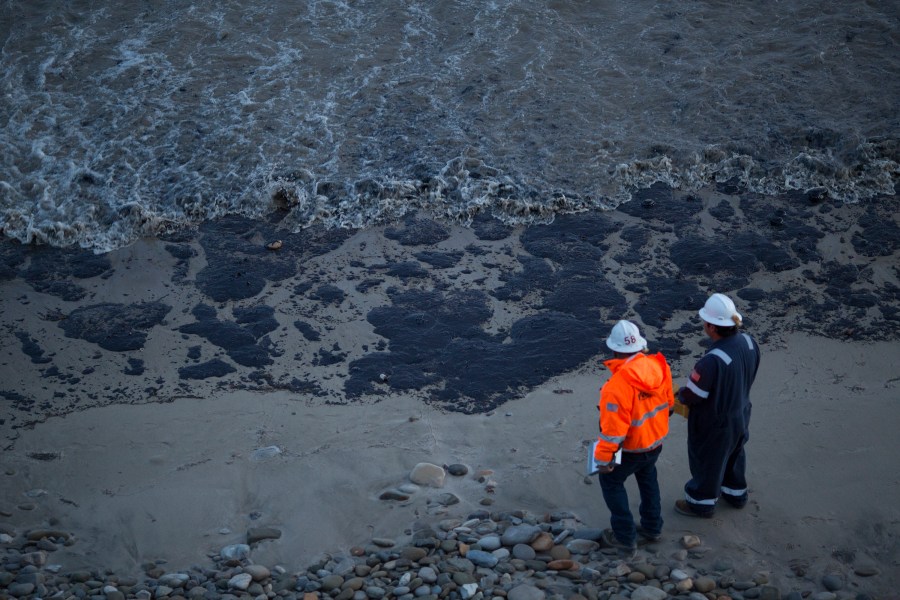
(593, 466)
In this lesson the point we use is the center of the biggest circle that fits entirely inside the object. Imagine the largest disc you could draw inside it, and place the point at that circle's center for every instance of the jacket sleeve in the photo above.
(700, 382)
(669, 389)
(615, 419)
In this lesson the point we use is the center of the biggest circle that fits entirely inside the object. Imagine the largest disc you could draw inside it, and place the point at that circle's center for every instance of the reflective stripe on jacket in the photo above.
(634, 405)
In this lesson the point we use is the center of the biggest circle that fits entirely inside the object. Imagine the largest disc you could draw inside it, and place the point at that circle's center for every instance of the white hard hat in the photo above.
(625, 338)
(720, 310)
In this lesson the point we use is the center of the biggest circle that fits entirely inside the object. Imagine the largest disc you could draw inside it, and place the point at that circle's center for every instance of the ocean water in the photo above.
(129, 119)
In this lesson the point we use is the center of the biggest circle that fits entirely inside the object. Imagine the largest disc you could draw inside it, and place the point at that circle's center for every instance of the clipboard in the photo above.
(593, 466)
(680, 409)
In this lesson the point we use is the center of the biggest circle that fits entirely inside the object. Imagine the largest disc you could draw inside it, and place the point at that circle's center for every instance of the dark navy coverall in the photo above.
(718, 393)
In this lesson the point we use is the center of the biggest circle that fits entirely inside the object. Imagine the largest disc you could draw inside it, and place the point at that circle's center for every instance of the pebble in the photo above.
(704, 584)
(866, 570)
(20, 589)
(427, 474)
(646, 592)
(588, 534)
(561, 565)
(523, 552)
(393, 495)
(544, 541)
(457, 470)
(833, 582)
(263, 453)
(490, 543)
(482, 559)
(257, 572)
(481, 556)
(235, 552)
(520, 534)
(241, 581)
(526, 592)
(258, 534)
(636, 577)
(582, 546)
(769, 592)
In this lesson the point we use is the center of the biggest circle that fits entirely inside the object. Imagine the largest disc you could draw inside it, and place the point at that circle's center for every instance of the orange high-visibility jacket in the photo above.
(634, 405)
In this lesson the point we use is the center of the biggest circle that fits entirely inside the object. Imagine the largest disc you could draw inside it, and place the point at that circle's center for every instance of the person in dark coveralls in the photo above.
(717, 393)
(635, 404)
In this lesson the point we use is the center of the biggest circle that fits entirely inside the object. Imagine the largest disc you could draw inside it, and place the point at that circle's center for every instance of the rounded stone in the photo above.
(582, 546)
(489, 543)
(482, 559)
(678, 575)
(428, 575)
(331, 582)
(769, 592)
(690, 541)
(428, 474)
(20, 589)
(646, 592)
(259, 534)
(543, 542)
(636, 577)
(174, 580)
(354, 583)
(257, 572)
(523, 552)
(241, 581)
(704, 584)
(526, 592)
(833, 582)
(235, 552)
(520, 534)
(457, 470)
(414, 554)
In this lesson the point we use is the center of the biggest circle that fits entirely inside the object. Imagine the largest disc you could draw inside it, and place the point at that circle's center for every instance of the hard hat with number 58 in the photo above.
(625, 337)
(719, 310)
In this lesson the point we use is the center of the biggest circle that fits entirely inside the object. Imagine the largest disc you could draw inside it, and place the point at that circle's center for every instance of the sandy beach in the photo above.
(159, 403)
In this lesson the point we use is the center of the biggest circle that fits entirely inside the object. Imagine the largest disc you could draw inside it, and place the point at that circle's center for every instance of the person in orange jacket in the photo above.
(635, 404)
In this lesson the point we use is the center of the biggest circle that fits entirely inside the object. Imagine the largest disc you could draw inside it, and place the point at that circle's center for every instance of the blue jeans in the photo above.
(643, 467)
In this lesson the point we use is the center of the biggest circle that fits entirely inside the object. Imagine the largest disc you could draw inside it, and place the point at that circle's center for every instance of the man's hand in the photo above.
(605, 469)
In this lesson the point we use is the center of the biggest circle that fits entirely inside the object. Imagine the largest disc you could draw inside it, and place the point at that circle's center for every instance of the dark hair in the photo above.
(723, 331)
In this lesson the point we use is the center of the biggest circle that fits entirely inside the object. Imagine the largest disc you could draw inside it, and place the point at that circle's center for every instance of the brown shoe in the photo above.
(683, 507)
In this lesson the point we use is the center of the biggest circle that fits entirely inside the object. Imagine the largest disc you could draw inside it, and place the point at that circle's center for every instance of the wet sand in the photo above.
(160, 401)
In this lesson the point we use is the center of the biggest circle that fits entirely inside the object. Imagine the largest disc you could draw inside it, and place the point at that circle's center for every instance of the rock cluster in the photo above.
(484, 556)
